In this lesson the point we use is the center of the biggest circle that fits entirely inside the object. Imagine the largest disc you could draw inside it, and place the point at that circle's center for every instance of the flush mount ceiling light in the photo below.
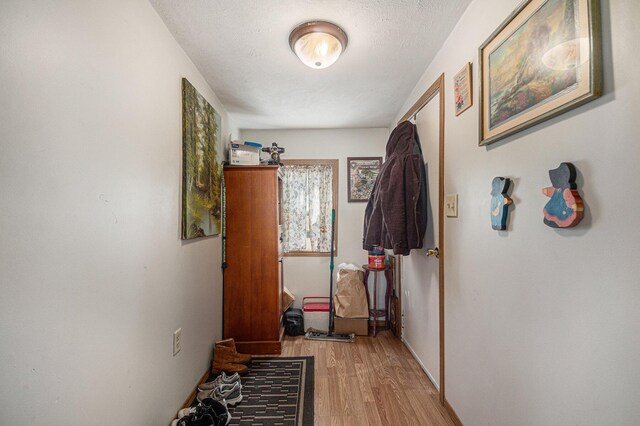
(318, 44)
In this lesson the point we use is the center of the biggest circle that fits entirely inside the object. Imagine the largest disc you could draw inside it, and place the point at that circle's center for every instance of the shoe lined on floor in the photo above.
(198, 409)
(222, 378)
(231, 393)
(186, 412)
(231, 353)
(227, 359)
(219, 367)
(218, 410)
(194, 420)
(208, 407)
(205, 406)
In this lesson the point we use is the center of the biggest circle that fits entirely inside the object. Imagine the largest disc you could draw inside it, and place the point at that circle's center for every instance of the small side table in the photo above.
(375, 312)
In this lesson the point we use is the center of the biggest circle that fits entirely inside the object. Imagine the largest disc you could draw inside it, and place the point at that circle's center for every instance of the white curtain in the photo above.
(307, 199)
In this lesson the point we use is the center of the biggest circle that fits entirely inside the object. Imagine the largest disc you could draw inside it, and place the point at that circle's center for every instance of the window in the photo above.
(309, 192)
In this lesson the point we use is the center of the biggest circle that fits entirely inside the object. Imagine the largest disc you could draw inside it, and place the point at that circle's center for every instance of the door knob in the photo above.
(434, 252)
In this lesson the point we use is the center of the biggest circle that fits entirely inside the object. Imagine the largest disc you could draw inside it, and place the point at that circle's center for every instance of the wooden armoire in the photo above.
(253, 273)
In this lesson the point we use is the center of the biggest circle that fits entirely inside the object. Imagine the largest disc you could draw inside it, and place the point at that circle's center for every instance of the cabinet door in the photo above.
(264, 256)
(238, 275)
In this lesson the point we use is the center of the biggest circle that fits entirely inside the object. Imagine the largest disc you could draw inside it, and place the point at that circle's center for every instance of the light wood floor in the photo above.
(374, 381)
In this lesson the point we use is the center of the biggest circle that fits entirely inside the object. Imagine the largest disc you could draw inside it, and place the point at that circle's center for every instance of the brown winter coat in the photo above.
(396, 214)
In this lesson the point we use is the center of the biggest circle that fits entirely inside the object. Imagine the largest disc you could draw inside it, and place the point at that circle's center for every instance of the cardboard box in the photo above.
(244, 155)
(360, 326)
(287, 298)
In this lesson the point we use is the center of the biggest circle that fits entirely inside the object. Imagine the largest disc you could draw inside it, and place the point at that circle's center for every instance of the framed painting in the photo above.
(543, 60)
(462, 90)
(201, 128)
(361, 174)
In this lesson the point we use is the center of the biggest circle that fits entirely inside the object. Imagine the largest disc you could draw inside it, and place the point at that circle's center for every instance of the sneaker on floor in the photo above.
(186, 411)
(207, 406)
(218, 410)
(198, 410)
(194, 420)
(222, 378)
(230, 393)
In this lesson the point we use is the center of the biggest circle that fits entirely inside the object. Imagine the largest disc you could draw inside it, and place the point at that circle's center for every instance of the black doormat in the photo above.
(275, 391)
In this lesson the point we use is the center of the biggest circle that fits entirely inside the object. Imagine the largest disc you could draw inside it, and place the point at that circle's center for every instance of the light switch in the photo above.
(451, 205)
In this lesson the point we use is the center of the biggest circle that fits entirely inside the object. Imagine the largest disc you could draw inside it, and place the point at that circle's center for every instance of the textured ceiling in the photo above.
(241, 47)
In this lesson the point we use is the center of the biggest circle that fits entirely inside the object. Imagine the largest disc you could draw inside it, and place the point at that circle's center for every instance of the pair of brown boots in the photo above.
(226, 358)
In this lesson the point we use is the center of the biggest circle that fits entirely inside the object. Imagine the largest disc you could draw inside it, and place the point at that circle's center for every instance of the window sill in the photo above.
(309, 254)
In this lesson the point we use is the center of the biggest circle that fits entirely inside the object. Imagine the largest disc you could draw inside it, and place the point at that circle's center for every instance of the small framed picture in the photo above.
(462, 89)
(361, 174)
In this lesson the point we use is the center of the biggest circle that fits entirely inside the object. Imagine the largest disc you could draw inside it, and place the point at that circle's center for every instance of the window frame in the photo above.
(334, 163)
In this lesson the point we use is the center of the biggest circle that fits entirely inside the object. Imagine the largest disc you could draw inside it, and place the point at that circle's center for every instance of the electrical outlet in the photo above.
(177, 341)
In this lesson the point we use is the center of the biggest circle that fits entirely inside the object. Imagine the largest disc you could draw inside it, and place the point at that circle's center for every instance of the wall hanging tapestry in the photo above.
(201, 128)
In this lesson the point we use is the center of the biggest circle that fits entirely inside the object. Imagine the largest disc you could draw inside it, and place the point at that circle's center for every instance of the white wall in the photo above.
(93, 272)
(543, 325)
(309, 276)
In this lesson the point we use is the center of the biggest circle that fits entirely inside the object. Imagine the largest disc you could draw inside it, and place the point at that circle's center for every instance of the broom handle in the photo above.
(333, 219)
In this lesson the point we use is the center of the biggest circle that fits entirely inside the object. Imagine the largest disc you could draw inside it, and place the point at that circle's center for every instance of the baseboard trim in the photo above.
(452, 413)
(419, 361)
(187, 402)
